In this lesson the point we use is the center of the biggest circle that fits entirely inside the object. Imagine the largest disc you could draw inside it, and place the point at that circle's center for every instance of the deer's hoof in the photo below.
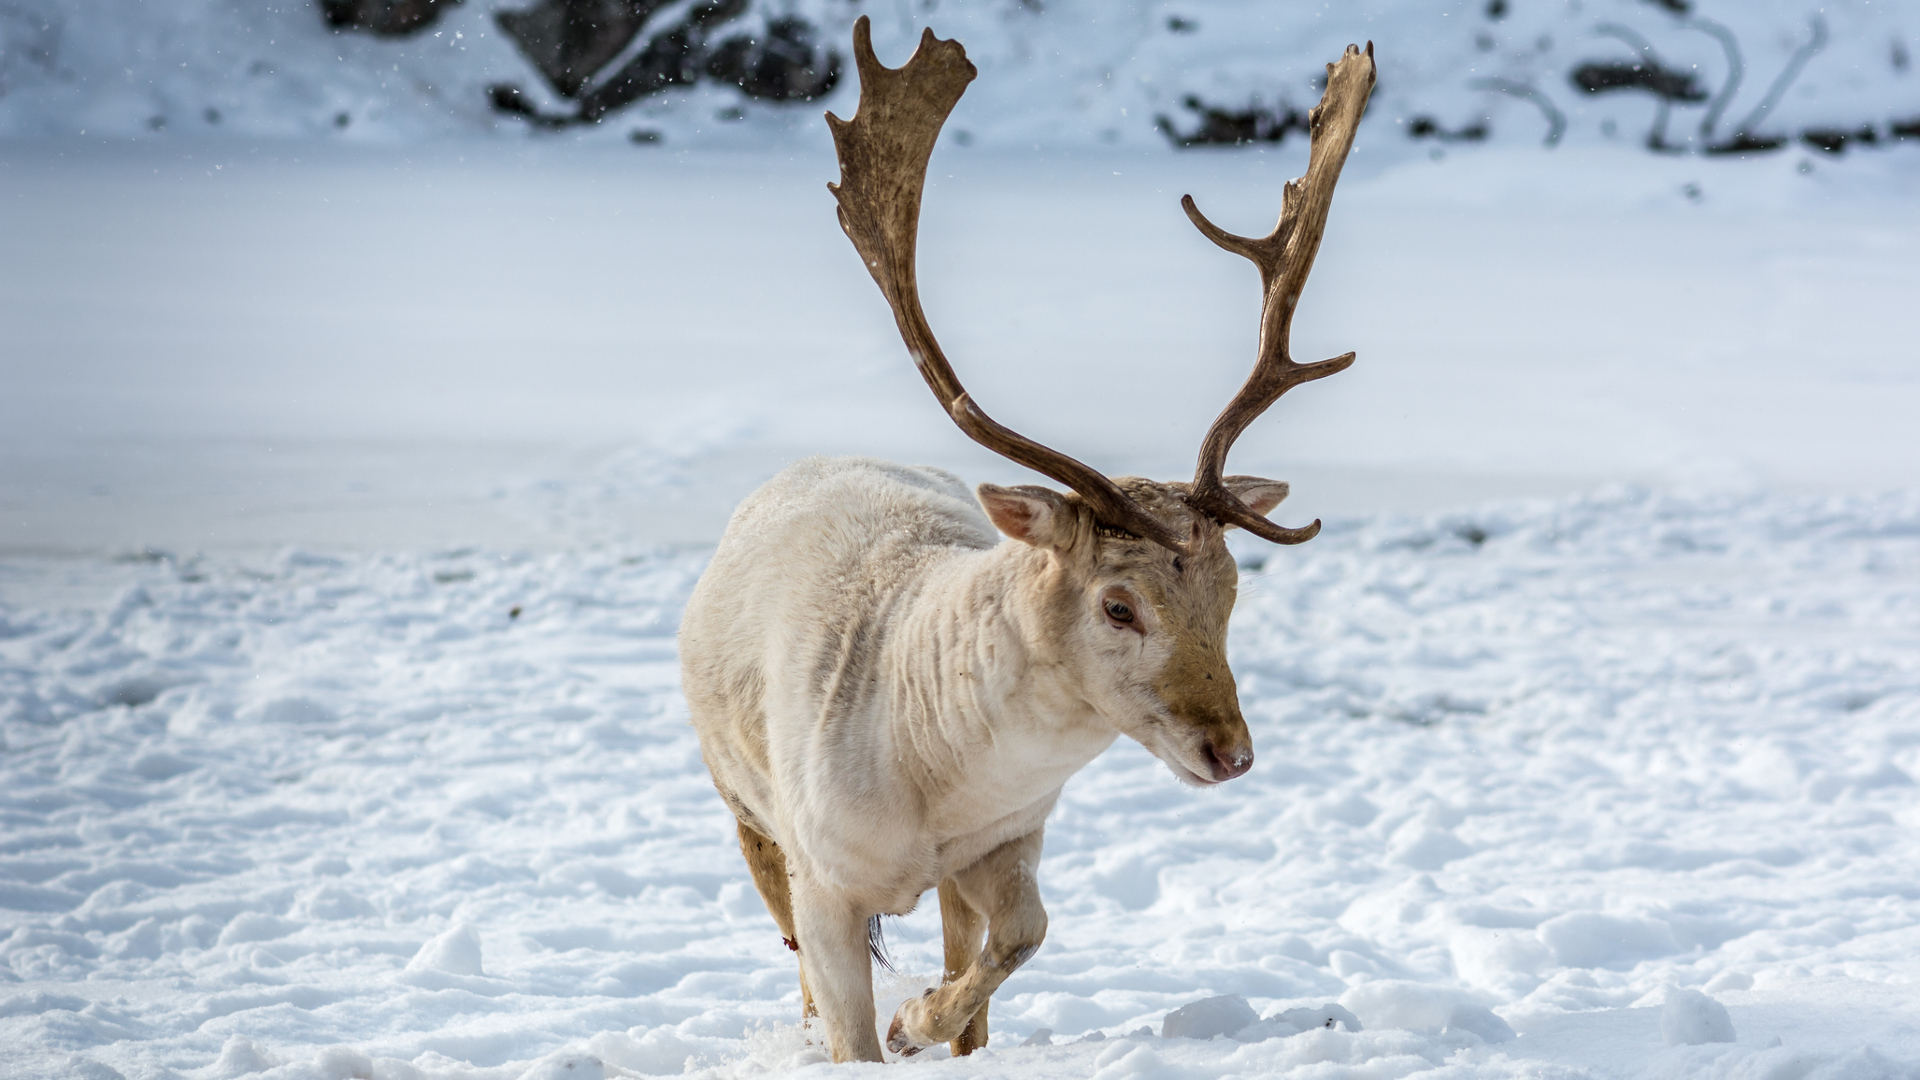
(897, 1040)
(904, 1036)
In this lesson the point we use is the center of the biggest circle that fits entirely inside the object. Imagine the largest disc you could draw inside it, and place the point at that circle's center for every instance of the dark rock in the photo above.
(781, 64)
(574, 42)
(384, 18)
(1747, 143)
(673, 57)
(1427, 127)
(668, 60)
(1835, 140)
(1234, 127)
(570, 40)
(510, 99)
(1596, 77)
(1905, 129)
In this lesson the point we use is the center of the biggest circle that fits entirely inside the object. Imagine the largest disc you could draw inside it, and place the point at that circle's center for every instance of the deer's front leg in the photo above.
(836, 968)
(962, 926)
(1002, 886)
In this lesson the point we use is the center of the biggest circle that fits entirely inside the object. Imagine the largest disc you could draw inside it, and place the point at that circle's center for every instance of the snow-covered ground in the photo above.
(1527, 775)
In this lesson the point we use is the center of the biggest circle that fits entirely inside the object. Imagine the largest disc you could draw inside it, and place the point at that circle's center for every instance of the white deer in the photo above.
(889, 698)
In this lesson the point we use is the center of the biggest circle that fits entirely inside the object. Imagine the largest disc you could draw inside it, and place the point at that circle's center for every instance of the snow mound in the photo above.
(1690, 1018)
(455, 952)
(1223, 1014)
(1289, 1022)
(1395, 1003)
(239, 1057)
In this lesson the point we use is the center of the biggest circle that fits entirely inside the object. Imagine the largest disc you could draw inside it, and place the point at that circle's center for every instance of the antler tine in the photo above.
(1285, 258)
(883, 170)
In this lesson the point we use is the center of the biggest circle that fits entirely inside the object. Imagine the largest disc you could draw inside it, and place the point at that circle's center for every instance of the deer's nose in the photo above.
(1230, 761)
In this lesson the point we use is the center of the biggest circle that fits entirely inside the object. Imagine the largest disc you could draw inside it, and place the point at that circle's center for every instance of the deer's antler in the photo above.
(1284, 257)
(883, 169)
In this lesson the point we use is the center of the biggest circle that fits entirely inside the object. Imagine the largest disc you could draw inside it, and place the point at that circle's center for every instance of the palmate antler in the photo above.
(1285, 258)
(883, 169)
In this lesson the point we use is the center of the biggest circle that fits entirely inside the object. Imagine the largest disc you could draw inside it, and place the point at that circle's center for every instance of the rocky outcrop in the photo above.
(783, 63)
(568, 40)
(384, 18)
(1225, 126)
(575, 45)
(673, 56)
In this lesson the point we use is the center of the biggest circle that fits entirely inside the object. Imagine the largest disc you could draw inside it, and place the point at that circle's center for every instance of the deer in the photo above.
(890, 696)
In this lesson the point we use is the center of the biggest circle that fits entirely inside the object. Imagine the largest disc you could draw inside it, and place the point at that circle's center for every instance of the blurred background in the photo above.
(377, 274)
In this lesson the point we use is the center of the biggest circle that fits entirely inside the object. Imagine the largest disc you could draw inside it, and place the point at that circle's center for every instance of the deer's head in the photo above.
(1143, 628)
(1145, 580)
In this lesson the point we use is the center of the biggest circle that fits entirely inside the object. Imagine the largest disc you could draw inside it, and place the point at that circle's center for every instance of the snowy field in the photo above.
(1588, 731)
(1526, 774)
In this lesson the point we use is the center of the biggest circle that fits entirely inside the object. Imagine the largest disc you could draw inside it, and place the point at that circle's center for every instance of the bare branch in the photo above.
(1556, 120)
(1736, 69)
(1785, 79)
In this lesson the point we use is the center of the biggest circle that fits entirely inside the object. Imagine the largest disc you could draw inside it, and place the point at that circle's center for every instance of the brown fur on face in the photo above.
(1189, 600)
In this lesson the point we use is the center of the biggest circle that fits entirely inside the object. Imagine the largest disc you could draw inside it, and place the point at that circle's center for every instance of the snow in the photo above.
(317, 810)
(480, 344)
(456, 952)
(1221, 1015)
(1690, 1018)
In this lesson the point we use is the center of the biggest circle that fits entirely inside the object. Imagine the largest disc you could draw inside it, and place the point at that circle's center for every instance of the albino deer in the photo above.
(889, 699)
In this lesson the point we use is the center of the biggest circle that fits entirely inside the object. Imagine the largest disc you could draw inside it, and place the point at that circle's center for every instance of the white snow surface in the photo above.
(224, 345)
(1539, 785)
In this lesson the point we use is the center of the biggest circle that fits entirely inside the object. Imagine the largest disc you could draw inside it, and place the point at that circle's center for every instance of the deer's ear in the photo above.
(1260, 495)
(1030, 514)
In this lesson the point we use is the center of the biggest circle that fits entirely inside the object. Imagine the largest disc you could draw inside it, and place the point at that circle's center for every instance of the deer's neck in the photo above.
(983, 702)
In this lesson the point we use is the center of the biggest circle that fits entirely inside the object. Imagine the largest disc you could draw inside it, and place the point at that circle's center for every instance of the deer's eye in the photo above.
(1119, 612)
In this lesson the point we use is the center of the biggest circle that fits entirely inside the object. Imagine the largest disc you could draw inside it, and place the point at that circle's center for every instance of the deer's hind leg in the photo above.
(768, 865)
(961, 925)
